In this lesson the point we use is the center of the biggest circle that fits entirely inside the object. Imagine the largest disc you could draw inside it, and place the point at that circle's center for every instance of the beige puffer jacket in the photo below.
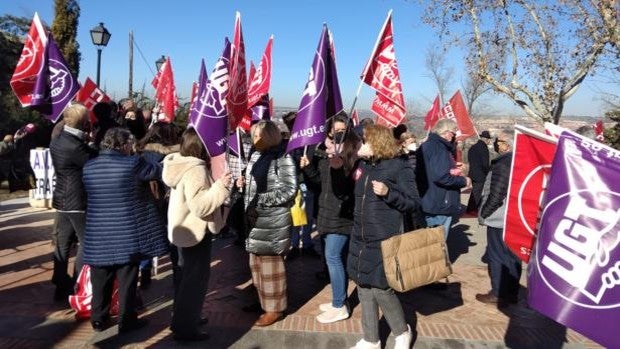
(195, 200)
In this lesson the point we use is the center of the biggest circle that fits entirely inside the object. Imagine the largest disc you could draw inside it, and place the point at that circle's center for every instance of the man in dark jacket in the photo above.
(439, 176)
(504, 266)
(69, 154)
(478, 157)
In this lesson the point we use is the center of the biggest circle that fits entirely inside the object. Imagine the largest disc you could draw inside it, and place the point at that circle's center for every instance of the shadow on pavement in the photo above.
(428, 301)
(26, 314)
(529, 329)
(459, 241)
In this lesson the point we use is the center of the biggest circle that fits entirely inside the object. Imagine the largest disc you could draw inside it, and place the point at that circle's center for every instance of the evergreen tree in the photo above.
(64, 30)
(612, 134)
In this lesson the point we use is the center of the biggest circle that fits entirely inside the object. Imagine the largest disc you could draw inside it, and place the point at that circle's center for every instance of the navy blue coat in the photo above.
(440, 191)
(378, 218)
(122, 222)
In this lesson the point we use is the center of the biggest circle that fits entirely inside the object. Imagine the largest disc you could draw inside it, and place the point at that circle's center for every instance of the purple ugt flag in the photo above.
(55, 86)
(202, 85)
(320, 100)
(260, 110)
(574, 272)
(211, 116)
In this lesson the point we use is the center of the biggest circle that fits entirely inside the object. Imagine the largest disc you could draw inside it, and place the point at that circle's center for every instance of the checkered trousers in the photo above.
(269, 278)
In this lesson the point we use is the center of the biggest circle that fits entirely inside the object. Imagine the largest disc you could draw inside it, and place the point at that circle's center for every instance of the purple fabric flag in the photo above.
(233, 143)
(260, 110)
(55, 86)
(211, 116)
(203, 78)
(320, 100)
(574, 272)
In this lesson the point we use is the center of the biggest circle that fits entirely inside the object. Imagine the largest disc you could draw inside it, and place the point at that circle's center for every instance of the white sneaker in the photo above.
(333, 315)
(362, 344)
(326, 306)
(403, 341)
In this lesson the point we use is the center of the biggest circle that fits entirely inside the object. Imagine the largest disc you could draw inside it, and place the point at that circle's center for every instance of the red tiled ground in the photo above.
(26, 298)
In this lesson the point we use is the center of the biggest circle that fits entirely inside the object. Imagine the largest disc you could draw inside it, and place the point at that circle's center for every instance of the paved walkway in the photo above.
(29, 318)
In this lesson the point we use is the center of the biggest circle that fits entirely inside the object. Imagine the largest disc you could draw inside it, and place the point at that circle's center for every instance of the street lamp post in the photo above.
(100, 37)
(160, 62)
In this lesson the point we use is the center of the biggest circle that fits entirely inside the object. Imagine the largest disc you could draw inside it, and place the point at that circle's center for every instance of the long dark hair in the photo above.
(191, 145)
(163, 133)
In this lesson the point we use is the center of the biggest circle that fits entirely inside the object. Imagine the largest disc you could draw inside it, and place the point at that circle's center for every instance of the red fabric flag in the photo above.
(89, 95)
(237, 97)
(381, 73)
(355, 118)
(156, 78)
(531, 166)
(432, 116)
(193, 95)
(388, 113)
(31, 62)
(260, 78)
(599, 129)
(455, 109)
(165, 95)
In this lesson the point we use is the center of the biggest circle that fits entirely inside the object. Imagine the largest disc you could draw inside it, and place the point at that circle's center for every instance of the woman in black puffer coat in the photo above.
(331, 169)
(385, 191)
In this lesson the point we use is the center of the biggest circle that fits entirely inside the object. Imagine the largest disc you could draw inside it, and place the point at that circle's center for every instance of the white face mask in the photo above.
(365, 151)
(412, 147)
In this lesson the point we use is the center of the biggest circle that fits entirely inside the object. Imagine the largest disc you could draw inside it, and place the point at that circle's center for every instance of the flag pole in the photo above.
(238, 135)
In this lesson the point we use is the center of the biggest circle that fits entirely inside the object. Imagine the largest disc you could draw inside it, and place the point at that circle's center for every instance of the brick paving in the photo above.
(452, 318)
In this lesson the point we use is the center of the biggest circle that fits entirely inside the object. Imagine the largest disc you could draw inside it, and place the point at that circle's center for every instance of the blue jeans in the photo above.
(335, 247)
(304, 232)
(446, 221)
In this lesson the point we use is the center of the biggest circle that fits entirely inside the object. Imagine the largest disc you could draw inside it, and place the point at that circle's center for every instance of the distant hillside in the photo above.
(492, 123)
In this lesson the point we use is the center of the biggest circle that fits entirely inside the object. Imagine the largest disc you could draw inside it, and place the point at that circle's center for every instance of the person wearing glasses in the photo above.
(439, 177)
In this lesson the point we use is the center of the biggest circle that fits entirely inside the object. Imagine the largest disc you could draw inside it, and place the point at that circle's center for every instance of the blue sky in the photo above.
(188, 31)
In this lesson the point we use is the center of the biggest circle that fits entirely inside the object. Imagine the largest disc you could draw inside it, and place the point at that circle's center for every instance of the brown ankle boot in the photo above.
(268, 319)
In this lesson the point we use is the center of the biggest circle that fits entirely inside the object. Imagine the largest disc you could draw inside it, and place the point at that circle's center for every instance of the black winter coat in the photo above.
(69, 155)
(478, 157)
(498, 187)
(336, 200)
(440, 191)
(378, 218)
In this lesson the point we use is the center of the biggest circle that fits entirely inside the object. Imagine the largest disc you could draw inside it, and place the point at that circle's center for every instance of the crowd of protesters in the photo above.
(129, 189)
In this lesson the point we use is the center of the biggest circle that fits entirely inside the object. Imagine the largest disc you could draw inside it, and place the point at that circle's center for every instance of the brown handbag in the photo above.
(415, 258)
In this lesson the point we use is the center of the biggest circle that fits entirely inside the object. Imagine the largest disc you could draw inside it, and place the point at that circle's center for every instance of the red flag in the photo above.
(455, 109)
(388, 113)
(89, 95)
(531, 166)
(237, 97)
(31, 62)
(599, 129)
(432, 116)
(246, 122)
(156, 78)
(165, 95)
(381, 73)
(260, 78)
(193, 95)
(355, 118)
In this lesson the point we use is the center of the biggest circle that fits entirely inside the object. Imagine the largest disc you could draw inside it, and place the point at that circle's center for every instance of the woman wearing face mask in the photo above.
(385, 191)
(409, 146)
(330, 169)
(269, 185)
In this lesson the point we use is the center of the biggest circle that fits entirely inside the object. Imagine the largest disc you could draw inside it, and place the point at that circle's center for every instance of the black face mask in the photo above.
(338, 137)
(496, 145)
